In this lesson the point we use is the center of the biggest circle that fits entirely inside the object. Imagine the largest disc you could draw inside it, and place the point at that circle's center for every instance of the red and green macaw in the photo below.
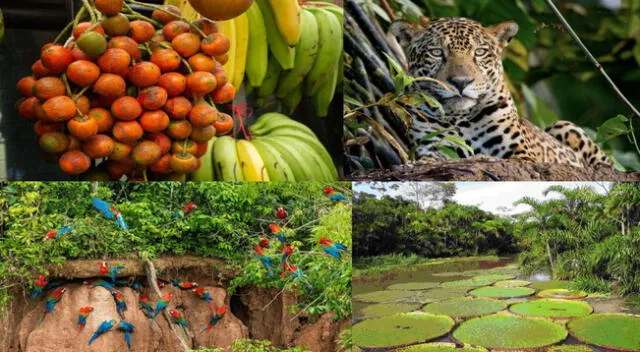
(287, 250)
(185, 285)
(112, 273)
(41, 284)
(162, 304)
(298, 274)
(218, 314)
(186, 210)
(121, 304)
(127, 328)
(264, 259)
(57, 233)
(104, 327)
(177, 318)
(279, 233)
(333, 195)
(110, 212)
(83, 313)
(332, 248)
(203, 294)
(281, 213)
(99, 283)
(145, 305)
(53, 298)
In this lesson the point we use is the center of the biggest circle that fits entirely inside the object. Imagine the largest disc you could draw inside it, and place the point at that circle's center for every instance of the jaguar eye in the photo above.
(436, 52)
(481, 52)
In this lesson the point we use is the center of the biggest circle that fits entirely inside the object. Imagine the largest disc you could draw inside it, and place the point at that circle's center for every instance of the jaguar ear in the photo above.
(404, 31)
(504, 32)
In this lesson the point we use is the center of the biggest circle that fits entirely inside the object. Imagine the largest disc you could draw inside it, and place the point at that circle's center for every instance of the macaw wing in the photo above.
(103, 207)
(337, 197)
(340, 246)
(332, 251)
(65, 229)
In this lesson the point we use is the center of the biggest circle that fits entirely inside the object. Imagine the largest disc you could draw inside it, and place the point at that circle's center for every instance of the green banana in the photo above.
(205, 173)
(279, 48)
(225, 160)
(306, 54)
(275, 121)
(313, 142)
(329, 53)
(270, 81)
(277, 167)
(299, 164)
(293, 100)
(338, 11)
(258, 57)
(323, 97)
(320, 171)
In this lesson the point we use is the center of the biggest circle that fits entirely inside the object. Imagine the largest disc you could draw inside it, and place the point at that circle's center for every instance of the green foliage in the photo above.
(248, 345)
(344, 341)
(227, 224)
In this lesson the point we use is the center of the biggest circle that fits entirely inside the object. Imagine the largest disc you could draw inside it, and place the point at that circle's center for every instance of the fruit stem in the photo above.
(143, 17)
(86, 5)
(66, 84)
(162, 9)
(79, 16)
(61, 34)
(80, 93)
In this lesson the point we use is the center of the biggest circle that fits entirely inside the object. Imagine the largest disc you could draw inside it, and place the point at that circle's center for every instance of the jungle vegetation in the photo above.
(589, 237)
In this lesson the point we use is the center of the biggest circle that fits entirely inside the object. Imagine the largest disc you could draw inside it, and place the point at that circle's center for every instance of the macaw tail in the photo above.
(127, 338)
(36, 293)
(80, 328)
(207, 329)
(212, 307)
(340, 246)
(120, 221)
(120, 313)
(94, 337)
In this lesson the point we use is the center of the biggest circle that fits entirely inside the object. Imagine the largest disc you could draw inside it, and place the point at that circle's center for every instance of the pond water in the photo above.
(454, 269)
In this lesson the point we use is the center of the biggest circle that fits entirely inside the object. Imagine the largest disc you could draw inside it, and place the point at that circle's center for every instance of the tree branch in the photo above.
(591, 58)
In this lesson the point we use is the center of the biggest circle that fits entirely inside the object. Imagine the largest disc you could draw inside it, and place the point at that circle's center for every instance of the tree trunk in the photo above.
(550, 258)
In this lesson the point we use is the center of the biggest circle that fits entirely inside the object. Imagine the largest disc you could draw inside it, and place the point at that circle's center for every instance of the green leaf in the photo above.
(459, 141)
(433, 135)
(449, 152)
(612, 128)
(540, 113)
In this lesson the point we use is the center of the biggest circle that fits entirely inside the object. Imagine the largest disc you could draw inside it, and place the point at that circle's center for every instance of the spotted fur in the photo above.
(477, 104)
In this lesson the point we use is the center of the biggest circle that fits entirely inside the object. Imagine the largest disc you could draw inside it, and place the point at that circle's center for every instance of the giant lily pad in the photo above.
(413, 286)
(447, 274)
(400, 330)
(440, 347)
(383, 296)
(467, 283)
(612, 331)
(562, 293)
(502, 292)
(465, 307)
(507, 332)
(552, 308)
(445, 293)
(494, 277)
(512, 283)
(548, 285)
(384, 309)
(570, 348)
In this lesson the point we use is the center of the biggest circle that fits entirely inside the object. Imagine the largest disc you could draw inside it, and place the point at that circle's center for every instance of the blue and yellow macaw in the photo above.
(127, 328)
(110, 212)
(104, 327)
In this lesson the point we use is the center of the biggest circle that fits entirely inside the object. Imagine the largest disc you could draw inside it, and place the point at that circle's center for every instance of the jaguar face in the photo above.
(459, 52)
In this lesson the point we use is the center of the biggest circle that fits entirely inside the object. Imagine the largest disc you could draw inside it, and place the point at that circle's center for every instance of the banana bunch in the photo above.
(281, 150)
(295, 51)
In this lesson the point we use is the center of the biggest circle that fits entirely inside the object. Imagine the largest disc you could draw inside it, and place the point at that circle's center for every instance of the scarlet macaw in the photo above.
(281, 213)
(104, 327)
(332, 248)
(127, 328)
(184, 285)
(178, 319)
(83, 313)
(186, 210)
(203, 294)
(41, 284)
(266, 260)
(53, 298)
(298, 274)
(162, 304)
(333, 195)
(100, 283)
(286, 253)
(112, 273)
(217, 316)
(57, 233)
(121, 304)
(145, 305)
(110, 212)
(279, 233)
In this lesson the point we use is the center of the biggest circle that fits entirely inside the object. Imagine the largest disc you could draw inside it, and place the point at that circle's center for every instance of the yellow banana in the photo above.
(258, 58)
(228, 29)
(251, 163)
(279, 48)
(279, 170)
(288, 19)
(225, 160)
(242, 47)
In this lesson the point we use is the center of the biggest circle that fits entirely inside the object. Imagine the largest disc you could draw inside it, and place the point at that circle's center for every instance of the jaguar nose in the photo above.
(460, 82)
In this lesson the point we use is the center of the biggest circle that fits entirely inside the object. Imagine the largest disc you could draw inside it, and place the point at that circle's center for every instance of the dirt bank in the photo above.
(249, 315)
(503, 170)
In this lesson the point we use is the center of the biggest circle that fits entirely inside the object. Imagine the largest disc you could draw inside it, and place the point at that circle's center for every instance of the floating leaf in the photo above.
(441, 347)
(552, 308)
(465, 307)
(512, 283)
(502, 292)
(608, 330)
(384, 309)
(562, 293)
(494, 277)
(547, 285)
(400, 330)
(467, 283)
(411, 286)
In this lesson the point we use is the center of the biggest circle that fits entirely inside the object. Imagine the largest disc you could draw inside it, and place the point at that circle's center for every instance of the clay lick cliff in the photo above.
(256, 313)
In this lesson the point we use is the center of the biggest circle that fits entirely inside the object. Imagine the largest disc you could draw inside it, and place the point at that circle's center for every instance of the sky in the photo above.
(494, 196)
